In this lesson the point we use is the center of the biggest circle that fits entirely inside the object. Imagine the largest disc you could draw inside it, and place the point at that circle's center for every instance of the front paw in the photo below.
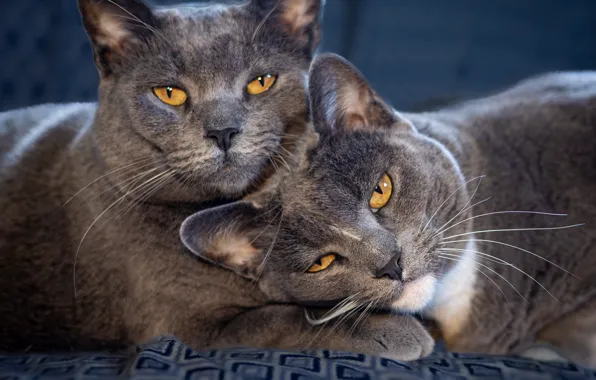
(400, 338)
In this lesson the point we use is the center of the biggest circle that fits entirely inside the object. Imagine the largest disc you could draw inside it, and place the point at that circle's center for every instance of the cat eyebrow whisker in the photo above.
(448, 197)
(135, 18)
(258, 28)
(511, 246)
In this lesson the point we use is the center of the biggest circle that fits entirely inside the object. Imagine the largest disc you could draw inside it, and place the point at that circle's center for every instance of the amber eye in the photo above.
(261, 84)
(322, 263)
(170, 95)
(382, 193)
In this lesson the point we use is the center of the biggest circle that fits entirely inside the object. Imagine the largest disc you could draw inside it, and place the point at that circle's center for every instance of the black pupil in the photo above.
(319, 262)
(378, 190)
(169, 91)
(261, 81)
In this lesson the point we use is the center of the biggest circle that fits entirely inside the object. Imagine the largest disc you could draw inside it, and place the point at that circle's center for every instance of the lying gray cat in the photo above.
(378, 215)
(196, 103)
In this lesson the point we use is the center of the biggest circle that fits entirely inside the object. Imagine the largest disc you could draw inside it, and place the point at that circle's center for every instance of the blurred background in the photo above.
(416, 53)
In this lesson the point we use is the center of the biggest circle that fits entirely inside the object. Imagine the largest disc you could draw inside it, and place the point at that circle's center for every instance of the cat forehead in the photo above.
(201, 23)
(219, 39)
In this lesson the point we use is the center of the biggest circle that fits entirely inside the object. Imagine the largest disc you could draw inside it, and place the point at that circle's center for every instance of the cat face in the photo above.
(209, 92)
(359, 218)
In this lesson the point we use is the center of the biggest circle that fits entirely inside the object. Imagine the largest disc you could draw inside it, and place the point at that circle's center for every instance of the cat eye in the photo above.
(261, 84)
(322, 263)
(382, 193)
(170, 95)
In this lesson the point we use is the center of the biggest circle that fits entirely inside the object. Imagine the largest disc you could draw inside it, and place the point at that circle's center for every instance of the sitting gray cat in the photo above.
(196, 103)
(378, 215)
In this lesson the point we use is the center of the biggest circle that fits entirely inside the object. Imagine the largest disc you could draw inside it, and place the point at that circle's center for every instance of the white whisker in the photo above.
(515, 229)
(466, 204)
(445, 201)
(343, 307)
(95, 221)
(117, 169)
(262, 266)
(511, 246)
(497, 213)
(490, 269)
(521, 271)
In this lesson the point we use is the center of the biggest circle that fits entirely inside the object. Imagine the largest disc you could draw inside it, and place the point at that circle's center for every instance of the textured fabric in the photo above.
(168, 358)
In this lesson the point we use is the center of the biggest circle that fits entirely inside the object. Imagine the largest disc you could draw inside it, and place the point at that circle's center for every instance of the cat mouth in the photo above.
(416, 294)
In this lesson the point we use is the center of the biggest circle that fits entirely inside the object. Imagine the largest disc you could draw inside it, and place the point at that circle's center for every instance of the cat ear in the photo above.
(342, 99)
(298, 18)
(226, 236)
(115, 28)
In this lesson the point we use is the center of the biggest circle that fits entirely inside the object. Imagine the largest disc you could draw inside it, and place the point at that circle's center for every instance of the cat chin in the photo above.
(416, 295)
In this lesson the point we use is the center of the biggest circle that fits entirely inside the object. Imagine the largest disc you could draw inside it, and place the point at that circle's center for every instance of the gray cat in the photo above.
(449, 214)
(197, 104)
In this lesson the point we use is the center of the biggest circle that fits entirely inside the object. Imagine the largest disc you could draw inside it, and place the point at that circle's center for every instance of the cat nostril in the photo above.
(393, 268)
(223, 137)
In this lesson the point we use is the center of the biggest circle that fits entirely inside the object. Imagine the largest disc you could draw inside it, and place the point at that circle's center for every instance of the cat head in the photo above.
(360, 218)
(207, 92)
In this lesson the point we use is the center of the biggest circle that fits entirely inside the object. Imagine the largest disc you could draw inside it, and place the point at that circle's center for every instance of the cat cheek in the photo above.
(153, 112)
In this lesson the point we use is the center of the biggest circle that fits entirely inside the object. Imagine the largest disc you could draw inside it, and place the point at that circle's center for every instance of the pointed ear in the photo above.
(226, 236)
(299, 19)
(115, 28)
(342, 99)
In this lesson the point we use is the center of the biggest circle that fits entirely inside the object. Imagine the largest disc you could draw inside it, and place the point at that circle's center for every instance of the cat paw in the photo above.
(402, 339)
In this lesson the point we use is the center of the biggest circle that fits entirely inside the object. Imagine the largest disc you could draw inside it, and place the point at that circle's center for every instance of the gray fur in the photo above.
(534, 144)
(93, 195)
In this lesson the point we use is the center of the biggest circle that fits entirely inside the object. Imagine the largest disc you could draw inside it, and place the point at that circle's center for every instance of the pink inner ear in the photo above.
(354, 120)
(233, 251)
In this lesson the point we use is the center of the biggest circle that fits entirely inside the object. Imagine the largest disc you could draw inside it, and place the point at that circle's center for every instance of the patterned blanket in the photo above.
(167, 358)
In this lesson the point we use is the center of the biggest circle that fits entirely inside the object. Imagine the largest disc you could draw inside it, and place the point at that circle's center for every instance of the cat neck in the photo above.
(452, 304)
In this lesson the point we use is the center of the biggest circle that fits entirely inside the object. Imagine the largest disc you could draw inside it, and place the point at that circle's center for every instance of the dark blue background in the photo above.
(412, 51)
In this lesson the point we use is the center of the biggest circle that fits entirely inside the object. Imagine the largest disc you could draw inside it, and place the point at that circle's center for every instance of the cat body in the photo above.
(196, 105)
(390, 212)
(535, 146)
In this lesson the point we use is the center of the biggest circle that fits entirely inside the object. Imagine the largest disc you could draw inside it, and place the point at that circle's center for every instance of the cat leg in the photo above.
(574, 335)
(285, 327)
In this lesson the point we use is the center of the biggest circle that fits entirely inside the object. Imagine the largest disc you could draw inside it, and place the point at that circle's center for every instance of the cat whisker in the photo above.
(152, 179)
(514, 229)
(262, 266)
(511, 246)
(503, 262)
(450, 257)
(150, 191)
(445, 201)
(497, 213)
(127, 183)
(267, 226)
(492, 258)
(341, 308)
(135, 18)
(258, 28)
(117, 169)
(466, 204)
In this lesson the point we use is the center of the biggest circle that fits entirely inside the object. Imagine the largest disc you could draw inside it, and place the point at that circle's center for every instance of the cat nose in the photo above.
(392, 269)
(223, 137)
